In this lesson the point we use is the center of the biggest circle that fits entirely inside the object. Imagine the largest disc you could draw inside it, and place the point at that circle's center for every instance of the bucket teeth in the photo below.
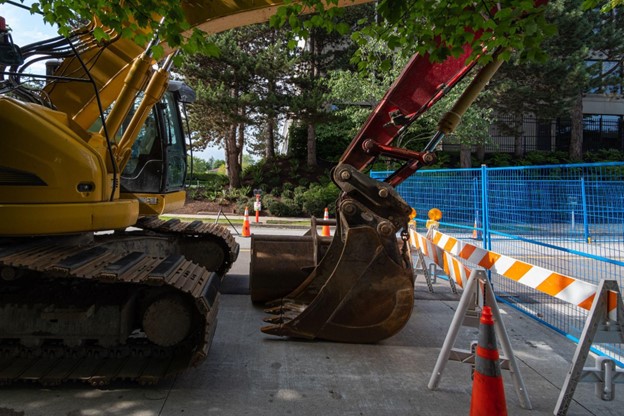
(286, 307)
(275, 310)
(274, 319)
(293, 307)
(282, 317)
(278, 330)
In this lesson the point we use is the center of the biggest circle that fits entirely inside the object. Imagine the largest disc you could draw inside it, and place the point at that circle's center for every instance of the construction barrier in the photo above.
(565, 288)
(604, 324)
(566, 218)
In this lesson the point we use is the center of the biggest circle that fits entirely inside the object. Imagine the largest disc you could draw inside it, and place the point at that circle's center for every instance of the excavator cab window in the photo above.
(157, 163)
(175, 149)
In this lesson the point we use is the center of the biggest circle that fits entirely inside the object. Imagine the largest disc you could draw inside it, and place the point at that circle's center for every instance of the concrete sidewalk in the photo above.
(264, 220)
(250, 373)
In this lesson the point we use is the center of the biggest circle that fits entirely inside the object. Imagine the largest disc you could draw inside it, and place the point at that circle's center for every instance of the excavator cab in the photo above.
(155, 172)
(157, 161)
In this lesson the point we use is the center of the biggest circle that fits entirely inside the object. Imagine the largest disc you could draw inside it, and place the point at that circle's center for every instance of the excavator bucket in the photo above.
(298, 256)
(362, 290)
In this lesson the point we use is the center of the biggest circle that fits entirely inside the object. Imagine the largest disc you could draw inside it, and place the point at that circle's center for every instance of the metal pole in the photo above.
(585, 216)
(485, 223)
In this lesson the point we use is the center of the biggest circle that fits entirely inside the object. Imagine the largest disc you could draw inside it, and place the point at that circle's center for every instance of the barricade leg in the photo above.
(472, 294)
(451, 336)
(421, 267)
(598, 328)
(503, 338)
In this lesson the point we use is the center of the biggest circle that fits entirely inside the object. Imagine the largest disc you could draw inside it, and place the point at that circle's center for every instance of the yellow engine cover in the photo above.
(54, 173)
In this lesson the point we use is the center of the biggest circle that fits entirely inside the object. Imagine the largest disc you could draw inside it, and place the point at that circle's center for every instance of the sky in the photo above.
(27, 28)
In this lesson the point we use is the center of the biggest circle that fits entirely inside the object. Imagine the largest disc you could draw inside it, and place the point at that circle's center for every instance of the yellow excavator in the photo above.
(93, 285)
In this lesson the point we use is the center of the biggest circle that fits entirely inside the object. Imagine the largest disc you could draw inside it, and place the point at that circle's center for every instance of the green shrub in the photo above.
(536, 158)
(243, 202)
(499, 160)
(604, 155)
(288, 186)
(255, 171)
(317, 198)
(284, 207)
(298, 194)
(208, 179)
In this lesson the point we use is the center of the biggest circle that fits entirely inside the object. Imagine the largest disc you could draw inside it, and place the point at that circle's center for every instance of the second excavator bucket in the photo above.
(362, 290)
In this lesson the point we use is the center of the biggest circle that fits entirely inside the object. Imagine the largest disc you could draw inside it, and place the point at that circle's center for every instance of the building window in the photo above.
(606, 77)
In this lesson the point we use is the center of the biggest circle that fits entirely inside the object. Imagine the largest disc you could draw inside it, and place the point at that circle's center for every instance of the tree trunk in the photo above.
(232, 157)
(576, 130)
(518, 138)
(241, 143)
(465, 160)
(481, 153)
(311, 145)
(269, 150)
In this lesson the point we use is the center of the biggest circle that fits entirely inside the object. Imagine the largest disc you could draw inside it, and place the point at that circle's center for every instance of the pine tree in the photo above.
(224, 100)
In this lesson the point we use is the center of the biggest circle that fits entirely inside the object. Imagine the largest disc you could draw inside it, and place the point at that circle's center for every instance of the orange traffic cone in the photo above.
(325, 230)
(476, 233)
(488, 393)
(246, 226)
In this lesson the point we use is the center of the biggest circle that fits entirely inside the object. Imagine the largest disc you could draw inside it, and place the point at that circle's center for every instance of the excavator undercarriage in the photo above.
(134, 305)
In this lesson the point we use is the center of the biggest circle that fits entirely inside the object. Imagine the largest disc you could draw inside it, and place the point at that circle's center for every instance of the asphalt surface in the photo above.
(250, 373)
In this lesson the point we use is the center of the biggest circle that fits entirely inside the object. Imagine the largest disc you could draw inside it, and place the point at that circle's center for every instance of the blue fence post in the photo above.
(487, 244)
(585, 216)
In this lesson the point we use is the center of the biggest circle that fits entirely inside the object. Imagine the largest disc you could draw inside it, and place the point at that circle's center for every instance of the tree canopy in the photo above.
(418, 25)
(405, 26)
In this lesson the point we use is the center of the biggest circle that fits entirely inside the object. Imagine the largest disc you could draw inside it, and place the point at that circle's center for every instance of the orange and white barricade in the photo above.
(605, 321)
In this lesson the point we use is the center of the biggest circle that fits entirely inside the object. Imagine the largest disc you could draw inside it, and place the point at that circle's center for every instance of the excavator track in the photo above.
(219, 259)
(93, 312)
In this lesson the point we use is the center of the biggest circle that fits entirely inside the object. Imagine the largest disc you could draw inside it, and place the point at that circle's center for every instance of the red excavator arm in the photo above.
(421, 84)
